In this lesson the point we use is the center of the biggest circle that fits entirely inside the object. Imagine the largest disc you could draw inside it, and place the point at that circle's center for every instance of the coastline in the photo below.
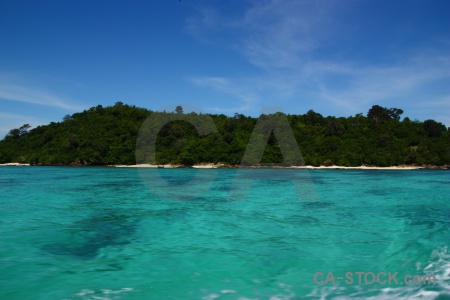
(171, 166)
(227, 166)
(307, 167)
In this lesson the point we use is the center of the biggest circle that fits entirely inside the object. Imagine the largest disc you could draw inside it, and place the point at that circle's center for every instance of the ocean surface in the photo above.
(122, 233)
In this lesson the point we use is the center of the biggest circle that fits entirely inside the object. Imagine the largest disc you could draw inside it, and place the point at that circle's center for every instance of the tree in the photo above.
(179, 109)
(378, 113)
(381, 114)
(313, 118)
(334, 128)
(24, 129)
(14, 132)
(433, 128)
(394, 113)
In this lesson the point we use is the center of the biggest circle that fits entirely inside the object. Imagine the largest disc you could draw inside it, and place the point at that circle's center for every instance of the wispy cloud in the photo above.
(10, 121)
(16, 87)
(14, 92)
(397, 84)
(270, 33)
(281, 34)
(286, 41)
(277, 37)
(228, 87)
(439, 108)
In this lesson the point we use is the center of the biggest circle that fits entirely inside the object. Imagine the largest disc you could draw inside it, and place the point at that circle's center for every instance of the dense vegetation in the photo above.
(107, 135)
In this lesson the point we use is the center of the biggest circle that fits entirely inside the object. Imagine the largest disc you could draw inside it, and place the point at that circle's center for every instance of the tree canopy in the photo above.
(382, 114)
(108, 135)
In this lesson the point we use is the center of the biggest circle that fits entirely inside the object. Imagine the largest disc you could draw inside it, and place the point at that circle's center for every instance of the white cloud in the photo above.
(275, 36)
(15, 87)
(271, 34)
(399, 85)
(438, 108)
(10, 121)
(280, 34)
(27, 88)
(15, 92)
(283, 39)
(228, 87)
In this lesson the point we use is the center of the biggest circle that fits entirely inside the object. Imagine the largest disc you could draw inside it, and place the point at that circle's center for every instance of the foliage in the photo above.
(381, 114)
(107, 135)
(179, 109)
(434, 128)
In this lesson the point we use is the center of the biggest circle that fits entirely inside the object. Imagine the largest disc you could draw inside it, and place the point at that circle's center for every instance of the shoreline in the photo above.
(226, 166)
(307, 167)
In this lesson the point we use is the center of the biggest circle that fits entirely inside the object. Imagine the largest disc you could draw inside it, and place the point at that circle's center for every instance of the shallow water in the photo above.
(110, 233)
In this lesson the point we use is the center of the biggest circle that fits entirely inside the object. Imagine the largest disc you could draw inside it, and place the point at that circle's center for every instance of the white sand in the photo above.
(203, 166)
(207, 166)
(143, 166)
(358, 168)
(213, 166)
(15, 164)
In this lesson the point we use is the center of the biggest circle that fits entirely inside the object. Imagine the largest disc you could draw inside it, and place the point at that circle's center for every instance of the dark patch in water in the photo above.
(346, 214)
(119, 186)
(428, 217)
(378, 192)
(112, 184)
(319, 181)
(221, 188)
(438, 181)
(88, 250)
(304, 219)
(211, 199)
(180, 177)
(94, 234)
(173, 213)
(317, 204)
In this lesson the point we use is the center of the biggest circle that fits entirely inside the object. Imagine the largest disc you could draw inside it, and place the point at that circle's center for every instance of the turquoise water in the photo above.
(109, 233)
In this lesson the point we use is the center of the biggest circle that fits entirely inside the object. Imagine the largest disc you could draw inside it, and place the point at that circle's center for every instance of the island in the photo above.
(107, 136)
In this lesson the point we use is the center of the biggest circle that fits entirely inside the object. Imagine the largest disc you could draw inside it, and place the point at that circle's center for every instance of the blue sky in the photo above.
(335, 57)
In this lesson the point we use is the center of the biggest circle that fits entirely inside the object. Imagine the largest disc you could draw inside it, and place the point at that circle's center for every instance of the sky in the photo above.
(337, 57)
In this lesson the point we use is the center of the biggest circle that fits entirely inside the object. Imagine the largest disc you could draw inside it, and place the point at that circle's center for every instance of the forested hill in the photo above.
(107, 135)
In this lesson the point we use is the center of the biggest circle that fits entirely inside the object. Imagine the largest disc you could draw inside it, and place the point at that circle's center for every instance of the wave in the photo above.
(438, 265)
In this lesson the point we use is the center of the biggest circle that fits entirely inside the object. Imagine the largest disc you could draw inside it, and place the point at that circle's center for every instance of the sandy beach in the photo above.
(144, 166)
(359, 168)
(169, 166)
(214, 166)
(226, 166)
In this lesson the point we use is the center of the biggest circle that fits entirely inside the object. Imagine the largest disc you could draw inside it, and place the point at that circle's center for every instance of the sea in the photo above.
(131, 233)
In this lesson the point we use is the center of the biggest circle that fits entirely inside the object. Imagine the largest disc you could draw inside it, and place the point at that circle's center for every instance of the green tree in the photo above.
(433, 128)
(24, 129)
(14, 132)
(179, 109)
(383, 114)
